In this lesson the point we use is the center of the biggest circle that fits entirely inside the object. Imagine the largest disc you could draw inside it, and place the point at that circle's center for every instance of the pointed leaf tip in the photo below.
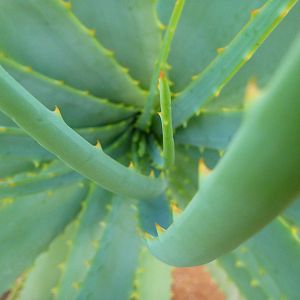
(57, 111)
(159, 229)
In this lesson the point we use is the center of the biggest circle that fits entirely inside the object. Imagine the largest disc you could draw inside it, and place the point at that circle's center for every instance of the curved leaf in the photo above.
(247, 189)
(134, 35)
(205, 26)
(54, 43)
(210, 82)
(40, 217)
(80, 109)
(211, 130)
(49, 129)
(60, 270)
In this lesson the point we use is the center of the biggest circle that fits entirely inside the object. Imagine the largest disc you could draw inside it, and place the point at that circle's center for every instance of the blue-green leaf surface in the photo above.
(58, 273)
(110, 266)
(79, 108)
(210, 129)
(29, 222)
(45, 35)
(205, 25)
(134, 35)
(208, 84)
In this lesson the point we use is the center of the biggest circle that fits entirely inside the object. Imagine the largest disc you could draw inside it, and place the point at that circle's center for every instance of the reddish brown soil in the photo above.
(194, 284)
(3, 297)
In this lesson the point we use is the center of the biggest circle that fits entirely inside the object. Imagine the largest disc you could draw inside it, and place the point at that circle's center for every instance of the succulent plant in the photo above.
(128, 146)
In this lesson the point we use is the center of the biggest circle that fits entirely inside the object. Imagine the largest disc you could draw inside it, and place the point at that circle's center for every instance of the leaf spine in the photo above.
(220, 50)
(57, 111)
(54, 291)
(252, 91)
(202, 168)
(159, 229)
(175, 208)
(67, 4)
(254, 12)
(76, 285)
(27, 69)
(98, 145)
(91, 32)
(239, 264)
(254, 283)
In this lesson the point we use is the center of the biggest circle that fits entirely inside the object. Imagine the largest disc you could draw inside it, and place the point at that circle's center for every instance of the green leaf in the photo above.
(247, 189)
(153, 213)
(46, 176)
(79, 108)
(90, 227)
(145, 119)
(153, 279)
(204, 27)
(13, 165)
(263, 64)
(57, 45)
(116, 260)
(134, 35)
(49, 129)
(242, 278)
(166, 120)
(37, 219)
(277, 249)
(59, 272)
(15, 143)
(5, 121)
(183, 178)
(43, 276)
(119, 149)
(208, 84)
(210, 130)
(292, 214)
(263, 262)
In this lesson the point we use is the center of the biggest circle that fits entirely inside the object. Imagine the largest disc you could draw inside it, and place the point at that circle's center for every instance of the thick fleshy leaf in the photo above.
(183, 177)
(15, 143)
(156, 211)
(263, 64)
(6, 121)
(210, 130)
(266, 266)
(11, 166)
(29, 223)
(59, 272)
(292, 215)
(277, 249)
(90, 228)
(242, 278)
(57, 45)
(208, 85)
(79, 108)
(134, 35)
(205, 25)
(49, 130)
(153, 278)
(247, 189)
(110, 266)
(46, 176)
(42, 278)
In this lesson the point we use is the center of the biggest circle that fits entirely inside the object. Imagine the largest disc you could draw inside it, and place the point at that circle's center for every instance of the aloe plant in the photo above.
(128, 146)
